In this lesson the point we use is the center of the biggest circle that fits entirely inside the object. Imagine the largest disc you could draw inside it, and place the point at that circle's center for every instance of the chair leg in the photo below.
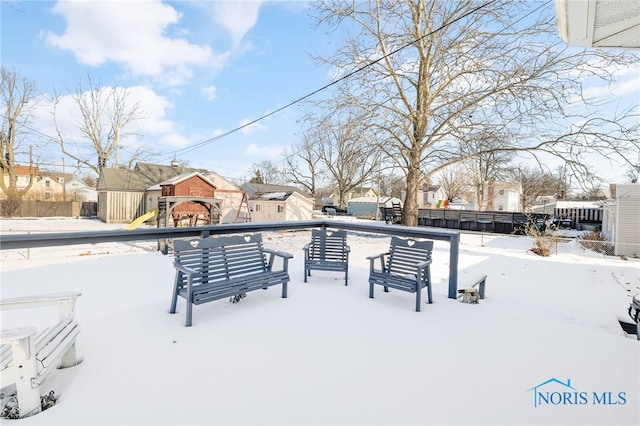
(370, 290)
(418, 296)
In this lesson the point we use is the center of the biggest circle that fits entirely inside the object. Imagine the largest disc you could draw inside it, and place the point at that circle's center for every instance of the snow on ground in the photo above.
(330, 355)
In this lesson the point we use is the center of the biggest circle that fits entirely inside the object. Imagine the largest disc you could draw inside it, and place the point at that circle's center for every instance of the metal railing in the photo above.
(19, 241)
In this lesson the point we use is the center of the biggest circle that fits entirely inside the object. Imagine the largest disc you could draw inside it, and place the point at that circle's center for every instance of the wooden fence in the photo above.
(48, 208)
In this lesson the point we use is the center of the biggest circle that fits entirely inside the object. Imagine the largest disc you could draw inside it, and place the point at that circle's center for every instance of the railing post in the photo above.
(454, 246)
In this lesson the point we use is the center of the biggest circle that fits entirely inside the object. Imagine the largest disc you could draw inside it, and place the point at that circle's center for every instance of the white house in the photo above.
(428, 196)
(77, 190)
(368, 207)
(280, 205)
(502, 196)
(621, 219)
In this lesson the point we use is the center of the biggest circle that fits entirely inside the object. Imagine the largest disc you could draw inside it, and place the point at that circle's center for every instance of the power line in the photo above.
(326, 86)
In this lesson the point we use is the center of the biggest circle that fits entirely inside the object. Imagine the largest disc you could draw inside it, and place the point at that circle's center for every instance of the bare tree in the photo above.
(265, 172)
(537, 183)
(431, 74)
(105, 117)
(17, 98)
(348, 156)
(304, 165)
(454, 183)
(485, 164)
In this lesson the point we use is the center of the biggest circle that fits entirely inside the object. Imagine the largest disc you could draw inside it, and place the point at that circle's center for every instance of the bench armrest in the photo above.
(9, 335)
(285, 258)
(185, 269)
(279, 253)
(66, 302)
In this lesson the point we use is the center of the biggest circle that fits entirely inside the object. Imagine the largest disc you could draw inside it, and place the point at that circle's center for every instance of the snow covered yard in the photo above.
(330, 355)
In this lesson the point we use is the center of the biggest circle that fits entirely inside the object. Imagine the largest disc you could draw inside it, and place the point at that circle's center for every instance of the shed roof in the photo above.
(261, 188)
(140, 178)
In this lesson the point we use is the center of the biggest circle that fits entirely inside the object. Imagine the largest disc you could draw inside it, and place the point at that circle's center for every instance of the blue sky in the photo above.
(198, 69)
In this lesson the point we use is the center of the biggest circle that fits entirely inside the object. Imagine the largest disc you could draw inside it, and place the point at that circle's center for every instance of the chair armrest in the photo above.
(423, 265)
(374, 257)
(372, 260)
(347, 249)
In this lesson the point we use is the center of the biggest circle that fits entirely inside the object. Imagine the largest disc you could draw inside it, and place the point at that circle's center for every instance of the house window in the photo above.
(280, 208)
(501, 192)
(47, 183)
(257, 207)
(500, 207)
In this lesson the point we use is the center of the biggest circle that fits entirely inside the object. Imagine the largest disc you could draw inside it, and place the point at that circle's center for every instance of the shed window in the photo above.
(280, 208)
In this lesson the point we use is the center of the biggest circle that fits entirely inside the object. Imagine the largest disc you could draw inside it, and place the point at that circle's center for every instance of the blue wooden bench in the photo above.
(404, 267)
(216, 268)
(27, 355)
(327, 251)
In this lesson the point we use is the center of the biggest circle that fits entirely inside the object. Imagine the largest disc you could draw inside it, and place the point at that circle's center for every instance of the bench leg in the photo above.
(284, 290)
(418, 297)
(69, 358)
(24, 358)
(346, 274)
(370, 290)
(174, 298)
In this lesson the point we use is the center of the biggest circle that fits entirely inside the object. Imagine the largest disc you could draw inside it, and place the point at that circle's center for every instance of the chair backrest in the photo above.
(405, 253)
(328, 245)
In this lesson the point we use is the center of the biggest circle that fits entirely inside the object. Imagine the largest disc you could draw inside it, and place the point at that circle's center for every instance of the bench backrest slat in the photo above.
(404, 254)
(222, 258)
(329, 245)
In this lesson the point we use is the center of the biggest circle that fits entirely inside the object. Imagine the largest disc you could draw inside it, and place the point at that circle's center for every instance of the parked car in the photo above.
(333, 210)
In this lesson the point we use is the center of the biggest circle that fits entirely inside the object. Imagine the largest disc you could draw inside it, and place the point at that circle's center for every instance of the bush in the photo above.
(543, 239)
(596, 242)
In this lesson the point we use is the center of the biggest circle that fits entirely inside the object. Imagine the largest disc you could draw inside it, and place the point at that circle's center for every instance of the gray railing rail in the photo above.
(19, 241)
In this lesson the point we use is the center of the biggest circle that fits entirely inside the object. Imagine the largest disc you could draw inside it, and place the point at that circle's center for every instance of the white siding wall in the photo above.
(628, 220)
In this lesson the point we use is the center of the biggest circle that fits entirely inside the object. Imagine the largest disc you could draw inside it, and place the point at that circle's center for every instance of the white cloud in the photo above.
(249, 130)
(209, 92)
(174, 140)
(236, 17)
(263, 151)
(154, 126)
(133, 34)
